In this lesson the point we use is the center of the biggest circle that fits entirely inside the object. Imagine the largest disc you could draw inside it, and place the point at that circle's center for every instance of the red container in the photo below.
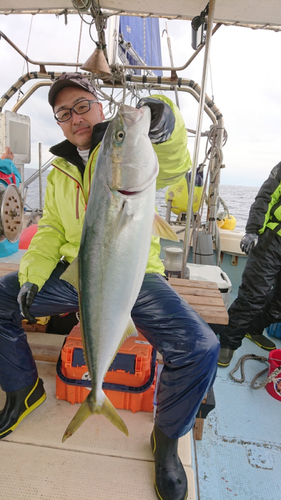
(129, 382)
(274, 387)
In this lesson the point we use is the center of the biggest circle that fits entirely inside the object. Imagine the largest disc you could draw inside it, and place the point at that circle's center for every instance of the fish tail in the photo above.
(113, 416)
(87, 408)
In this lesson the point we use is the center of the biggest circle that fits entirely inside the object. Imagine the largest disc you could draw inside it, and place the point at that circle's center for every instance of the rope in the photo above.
(226, 211)
(79, 43)
(26, 50)
(271, 378)
(241, 362)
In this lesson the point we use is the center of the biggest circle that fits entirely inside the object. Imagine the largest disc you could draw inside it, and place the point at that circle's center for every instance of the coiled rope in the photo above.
(241, 362)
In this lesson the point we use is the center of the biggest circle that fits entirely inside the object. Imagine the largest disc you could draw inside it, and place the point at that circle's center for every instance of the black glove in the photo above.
(248, 242)
(162, 119)
(25, 298)
(157, 110)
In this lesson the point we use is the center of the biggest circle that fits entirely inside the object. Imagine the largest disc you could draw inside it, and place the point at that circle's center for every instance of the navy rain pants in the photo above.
(188, 345)
(258, 303)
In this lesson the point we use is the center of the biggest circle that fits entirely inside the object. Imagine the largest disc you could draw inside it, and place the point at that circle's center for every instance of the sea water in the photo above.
(238, 199)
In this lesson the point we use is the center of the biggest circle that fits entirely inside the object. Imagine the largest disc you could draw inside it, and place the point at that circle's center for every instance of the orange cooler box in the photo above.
(129, 382)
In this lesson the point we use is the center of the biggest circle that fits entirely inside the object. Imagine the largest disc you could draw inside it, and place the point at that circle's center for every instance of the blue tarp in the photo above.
(144, 35)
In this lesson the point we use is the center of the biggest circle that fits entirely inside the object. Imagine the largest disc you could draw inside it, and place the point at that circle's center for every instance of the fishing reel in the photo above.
(11, 213)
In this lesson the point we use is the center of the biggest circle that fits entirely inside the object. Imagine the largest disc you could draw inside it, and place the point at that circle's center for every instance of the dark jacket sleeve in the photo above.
(266, 198)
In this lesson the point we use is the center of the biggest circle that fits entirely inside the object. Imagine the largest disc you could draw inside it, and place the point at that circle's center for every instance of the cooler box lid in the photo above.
(205, 272)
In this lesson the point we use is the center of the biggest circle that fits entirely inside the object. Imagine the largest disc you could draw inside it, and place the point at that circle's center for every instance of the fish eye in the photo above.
(120, 135)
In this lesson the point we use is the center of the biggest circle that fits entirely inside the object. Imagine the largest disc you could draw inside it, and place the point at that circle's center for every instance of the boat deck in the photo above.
(98, 462)
(239, 456)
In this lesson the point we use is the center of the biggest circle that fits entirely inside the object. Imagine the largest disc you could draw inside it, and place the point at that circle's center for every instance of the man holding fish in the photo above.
(104, 262)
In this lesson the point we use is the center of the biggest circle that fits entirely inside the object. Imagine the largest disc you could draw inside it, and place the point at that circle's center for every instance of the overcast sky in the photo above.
(244, 81)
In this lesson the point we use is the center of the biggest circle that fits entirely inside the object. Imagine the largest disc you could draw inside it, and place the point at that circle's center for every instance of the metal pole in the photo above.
(40, 176)
(198, 133)
(34, 176)
(172, 64)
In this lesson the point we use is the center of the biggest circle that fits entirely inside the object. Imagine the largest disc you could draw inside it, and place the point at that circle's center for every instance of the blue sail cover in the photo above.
(144, 35)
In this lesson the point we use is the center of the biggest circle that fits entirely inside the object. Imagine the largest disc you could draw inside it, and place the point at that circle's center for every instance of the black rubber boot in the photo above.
(225, 356)
(170, 477)
(19, 404)
(262, 341)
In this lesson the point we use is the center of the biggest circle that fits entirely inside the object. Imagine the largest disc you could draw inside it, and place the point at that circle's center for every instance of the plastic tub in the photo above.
(274, 387)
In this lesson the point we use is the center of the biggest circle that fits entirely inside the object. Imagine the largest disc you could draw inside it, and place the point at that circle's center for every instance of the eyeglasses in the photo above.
(82, 107)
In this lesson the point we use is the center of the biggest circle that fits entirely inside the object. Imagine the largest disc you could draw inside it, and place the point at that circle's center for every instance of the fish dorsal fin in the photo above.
(124, 217)
(71, 274)
(163, 229)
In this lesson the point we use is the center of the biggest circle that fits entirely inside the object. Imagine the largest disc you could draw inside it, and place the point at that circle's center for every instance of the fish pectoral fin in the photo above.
(71, 274)
(124, 218)
(87, 408)
(163, 229)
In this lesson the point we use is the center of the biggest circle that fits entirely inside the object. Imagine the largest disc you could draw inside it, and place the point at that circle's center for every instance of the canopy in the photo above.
(264, 14)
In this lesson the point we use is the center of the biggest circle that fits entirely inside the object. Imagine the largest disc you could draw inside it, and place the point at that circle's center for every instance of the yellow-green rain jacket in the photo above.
(265, 212)
(60, 228)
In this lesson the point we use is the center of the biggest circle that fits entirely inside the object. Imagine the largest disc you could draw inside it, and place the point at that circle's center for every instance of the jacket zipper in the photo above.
(77, 201)
(78, 186)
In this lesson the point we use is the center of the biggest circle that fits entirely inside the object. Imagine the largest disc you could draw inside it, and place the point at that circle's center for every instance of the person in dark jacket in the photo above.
(258, 303)
(188, 345)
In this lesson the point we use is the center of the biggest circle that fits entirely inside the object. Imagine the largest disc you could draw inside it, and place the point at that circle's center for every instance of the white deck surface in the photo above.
(98, 462)
(239, 457)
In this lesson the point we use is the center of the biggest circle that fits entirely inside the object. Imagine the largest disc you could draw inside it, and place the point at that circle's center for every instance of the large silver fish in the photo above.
(110, 267)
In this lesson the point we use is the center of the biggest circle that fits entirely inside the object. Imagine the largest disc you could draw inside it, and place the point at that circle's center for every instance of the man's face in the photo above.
(78, 129)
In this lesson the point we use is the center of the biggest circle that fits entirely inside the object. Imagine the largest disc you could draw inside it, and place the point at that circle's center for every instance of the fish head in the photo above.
(131, 162)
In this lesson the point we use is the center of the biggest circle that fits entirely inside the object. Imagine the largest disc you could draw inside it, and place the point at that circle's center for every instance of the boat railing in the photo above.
(36, 174)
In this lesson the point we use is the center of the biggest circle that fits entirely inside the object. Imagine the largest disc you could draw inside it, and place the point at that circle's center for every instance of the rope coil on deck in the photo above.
(241, 362)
